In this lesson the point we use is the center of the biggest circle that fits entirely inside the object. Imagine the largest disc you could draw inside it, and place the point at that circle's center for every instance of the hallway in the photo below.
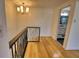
(48, 48)
(56, 22)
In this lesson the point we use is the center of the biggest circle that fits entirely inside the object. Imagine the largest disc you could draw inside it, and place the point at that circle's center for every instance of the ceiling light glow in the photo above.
(18, 9)
(21, 7)
(27, 9)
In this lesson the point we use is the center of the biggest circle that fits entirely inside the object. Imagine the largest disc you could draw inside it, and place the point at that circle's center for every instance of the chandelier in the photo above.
(22, 9)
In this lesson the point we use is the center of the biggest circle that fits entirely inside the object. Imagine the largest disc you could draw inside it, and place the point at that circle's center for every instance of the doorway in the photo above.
(62, 24)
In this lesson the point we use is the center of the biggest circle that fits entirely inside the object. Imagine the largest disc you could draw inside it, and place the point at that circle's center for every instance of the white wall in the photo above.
(73, 41)
(8, 25)
(4, 48)
(11, 19)
(40, 17)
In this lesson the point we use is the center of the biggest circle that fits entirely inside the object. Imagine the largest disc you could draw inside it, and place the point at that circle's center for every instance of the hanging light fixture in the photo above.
(22, 9)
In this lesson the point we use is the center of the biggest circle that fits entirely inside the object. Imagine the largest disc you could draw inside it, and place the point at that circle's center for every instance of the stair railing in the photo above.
(18, 44)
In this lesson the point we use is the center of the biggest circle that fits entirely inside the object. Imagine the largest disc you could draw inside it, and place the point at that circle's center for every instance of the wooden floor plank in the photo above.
(48, 48)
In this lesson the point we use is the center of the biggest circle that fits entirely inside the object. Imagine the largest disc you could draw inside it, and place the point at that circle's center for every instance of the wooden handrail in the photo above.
(11, 42)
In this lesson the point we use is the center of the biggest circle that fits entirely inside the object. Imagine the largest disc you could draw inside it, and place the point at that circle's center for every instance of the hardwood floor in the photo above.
(48, 48)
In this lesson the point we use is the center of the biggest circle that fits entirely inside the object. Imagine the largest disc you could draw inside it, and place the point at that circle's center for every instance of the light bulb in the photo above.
(18, 9)
(27, 9)
(21, 9)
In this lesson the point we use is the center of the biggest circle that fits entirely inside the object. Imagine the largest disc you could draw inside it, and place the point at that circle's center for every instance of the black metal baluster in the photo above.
(12, 52)
(20, 46)
(23, 41)
(19, 50)
(15, 51)
(39, 34)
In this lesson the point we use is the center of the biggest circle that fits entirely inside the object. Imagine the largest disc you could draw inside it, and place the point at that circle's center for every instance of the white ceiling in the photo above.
(40, 3)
